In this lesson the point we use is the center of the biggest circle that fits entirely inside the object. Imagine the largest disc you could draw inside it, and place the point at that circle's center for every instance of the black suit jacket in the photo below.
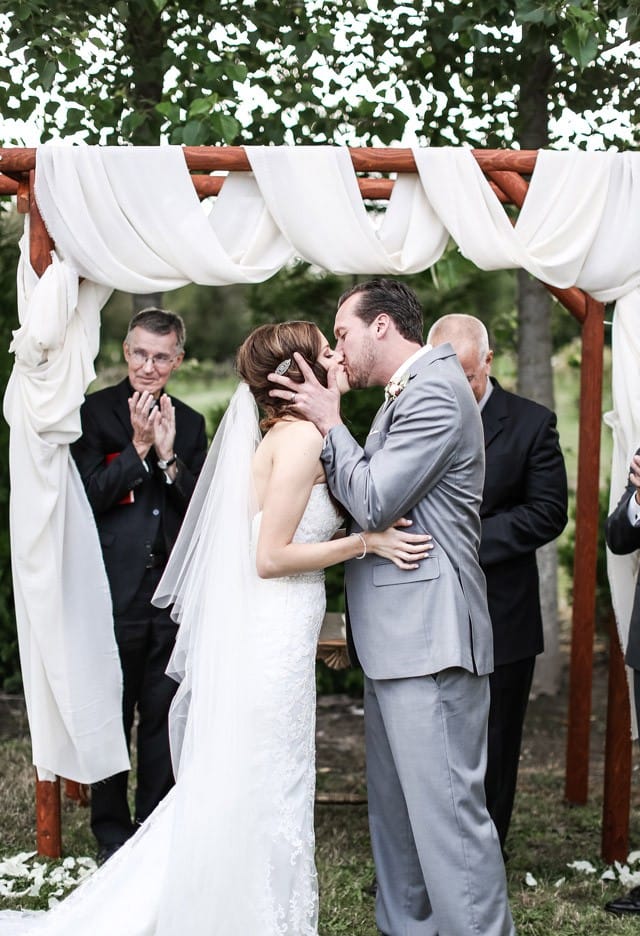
(524, 506)
(622, 538)
(110, 468)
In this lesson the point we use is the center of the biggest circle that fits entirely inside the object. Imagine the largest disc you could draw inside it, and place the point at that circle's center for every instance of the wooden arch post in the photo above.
(585, 558)
(507, 172)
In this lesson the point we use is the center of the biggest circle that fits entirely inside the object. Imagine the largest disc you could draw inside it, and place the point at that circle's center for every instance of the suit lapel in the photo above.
(416, 369)
(121, 407)
(419, 367)
(494, 414)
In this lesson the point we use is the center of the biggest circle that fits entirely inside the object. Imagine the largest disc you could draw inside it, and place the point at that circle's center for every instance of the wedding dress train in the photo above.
(230, 850)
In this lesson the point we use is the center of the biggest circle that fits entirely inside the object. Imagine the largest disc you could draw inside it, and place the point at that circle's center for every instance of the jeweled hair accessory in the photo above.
(283, 367)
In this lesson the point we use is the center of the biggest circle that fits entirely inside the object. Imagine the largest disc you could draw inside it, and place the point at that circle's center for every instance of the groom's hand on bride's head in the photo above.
(309, 399)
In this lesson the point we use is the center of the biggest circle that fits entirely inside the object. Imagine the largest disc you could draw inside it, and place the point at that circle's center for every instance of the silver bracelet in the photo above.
(364, 546)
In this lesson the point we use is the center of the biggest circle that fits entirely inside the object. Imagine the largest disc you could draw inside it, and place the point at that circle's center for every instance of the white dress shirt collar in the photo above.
(404, 367)
(482, 402)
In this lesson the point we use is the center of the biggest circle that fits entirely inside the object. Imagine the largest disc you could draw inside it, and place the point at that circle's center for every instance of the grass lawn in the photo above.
(547, 897)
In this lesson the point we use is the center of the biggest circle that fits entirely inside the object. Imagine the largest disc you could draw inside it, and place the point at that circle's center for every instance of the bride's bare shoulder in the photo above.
(290, 429)
(293, 435)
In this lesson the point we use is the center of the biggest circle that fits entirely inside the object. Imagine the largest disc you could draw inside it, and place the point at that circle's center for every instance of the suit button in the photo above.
(155, 512)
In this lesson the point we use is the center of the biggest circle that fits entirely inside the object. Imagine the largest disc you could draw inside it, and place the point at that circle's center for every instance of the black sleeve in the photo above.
(621, 535)
(108, 474)
(188, 468)
(542, 514)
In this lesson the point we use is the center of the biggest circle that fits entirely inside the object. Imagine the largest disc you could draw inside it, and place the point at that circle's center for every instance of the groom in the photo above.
(423, 637)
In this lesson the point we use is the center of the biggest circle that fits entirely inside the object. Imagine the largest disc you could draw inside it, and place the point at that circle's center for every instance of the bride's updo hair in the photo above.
(269, 346)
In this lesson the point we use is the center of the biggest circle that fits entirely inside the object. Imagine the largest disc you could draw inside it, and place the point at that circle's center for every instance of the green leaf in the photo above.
(169, 110)
(194, 133)
(225, 126)
(536, 15)
(17, 42)
(202, 105)
(583, 50)
(236, 71)
(71, 61)
(48, 74)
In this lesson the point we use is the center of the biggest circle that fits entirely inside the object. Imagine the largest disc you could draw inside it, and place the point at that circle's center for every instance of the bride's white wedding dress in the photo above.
(230, 850)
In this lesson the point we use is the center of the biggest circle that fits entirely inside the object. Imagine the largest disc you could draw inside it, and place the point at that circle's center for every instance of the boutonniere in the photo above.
(395, 387)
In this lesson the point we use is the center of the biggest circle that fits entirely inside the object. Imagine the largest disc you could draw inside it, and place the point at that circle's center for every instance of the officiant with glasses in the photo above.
(139, 457)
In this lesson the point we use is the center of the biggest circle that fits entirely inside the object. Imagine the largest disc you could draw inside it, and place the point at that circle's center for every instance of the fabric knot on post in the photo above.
(395, 387)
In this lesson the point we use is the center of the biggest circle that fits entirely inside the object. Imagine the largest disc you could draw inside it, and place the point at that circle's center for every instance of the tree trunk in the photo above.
(535, 374)
(146, 301)
(145, 43)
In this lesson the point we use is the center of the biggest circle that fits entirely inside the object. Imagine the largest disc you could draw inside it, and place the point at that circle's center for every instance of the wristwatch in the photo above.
(166, 463)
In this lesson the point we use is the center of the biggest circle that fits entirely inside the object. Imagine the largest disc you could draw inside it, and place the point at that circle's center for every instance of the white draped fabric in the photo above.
(129, 218)
(69, 659)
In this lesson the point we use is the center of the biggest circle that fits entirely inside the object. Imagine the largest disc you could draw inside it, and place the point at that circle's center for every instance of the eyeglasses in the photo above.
(160, 361)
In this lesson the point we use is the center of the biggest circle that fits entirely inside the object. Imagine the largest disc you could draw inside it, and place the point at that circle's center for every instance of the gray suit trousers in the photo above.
(438, 859)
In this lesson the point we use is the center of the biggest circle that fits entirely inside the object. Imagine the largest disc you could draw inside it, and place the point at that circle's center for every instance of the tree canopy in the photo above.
(295, 71)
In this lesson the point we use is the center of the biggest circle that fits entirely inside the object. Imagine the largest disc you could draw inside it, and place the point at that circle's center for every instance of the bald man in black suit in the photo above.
(524, 507)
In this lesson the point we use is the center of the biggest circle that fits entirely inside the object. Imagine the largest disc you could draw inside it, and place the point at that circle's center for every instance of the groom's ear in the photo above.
(381, 325)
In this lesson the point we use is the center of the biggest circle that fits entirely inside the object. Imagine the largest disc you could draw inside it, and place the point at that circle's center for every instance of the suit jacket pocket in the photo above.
(386, 573)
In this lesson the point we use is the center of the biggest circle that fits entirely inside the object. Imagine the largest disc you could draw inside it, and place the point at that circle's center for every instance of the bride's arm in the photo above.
(295, 469)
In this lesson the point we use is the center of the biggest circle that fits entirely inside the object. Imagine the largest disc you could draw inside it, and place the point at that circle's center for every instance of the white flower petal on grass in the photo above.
(21, 878)
(584, 866)
(16, 866)
(529, 880)
(559, 882)
(633, 857)
(608, 875)
(629, 878)
(620, 868)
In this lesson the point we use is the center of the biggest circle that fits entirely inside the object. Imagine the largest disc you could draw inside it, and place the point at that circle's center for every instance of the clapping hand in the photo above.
(165, 429)
(144, 414)
(153, 423)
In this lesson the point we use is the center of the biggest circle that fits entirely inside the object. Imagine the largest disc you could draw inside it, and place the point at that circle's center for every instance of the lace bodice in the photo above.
(320, 520)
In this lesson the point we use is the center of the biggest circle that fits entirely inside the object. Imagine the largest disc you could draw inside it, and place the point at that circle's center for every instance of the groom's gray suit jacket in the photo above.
(423, 459)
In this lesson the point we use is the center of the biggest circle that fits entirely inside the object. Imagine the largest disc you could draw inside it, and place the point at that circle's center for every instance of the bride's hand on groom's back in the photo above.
(404, 549)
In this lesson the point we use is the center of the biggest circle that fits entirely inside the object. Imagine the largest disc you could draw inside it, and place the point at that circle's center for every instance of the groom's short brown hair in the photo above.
(392, 297)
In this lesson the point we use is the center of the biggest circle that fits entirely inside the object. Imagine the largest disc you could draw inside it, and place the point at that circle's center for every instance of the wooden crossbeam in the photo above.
(206, 159)
(365, 159)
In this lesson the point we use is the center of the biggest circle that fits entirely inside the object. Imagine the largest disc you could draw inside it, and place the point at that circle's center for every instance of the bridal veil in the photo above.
(215, 719)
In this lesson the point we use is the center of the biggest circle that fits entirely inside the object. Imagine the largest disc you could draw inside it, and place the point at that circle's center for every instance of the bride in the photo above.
(230, 850)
